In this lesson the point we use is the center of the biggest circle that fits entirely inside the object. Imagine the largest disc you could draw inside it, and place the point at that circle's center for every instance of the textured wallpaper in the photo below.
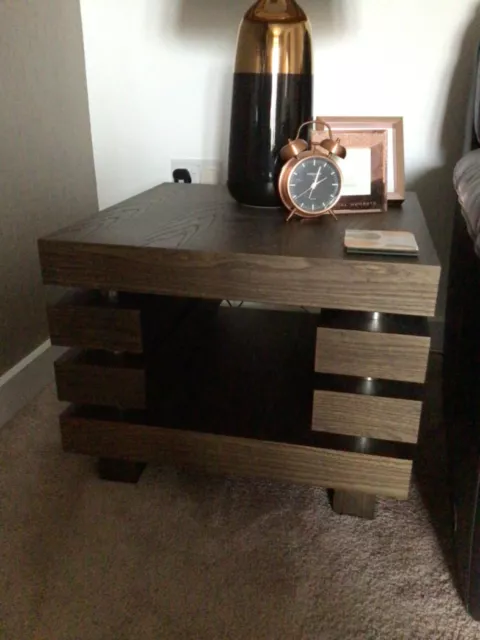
(47, 177)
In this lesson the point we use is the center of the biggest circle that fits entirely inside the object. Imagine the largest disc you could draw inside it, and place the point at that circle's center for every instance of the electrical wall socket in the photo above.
(201, 171)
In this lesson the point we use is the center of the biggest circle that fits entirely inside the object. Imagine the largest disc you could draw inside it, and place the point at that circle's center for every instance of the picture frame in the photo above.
(364, 170)
(395, 147)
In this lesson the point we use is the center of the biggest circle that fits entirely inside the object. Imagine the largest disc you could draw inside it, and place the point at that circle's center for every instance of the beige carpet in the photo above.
(184, 556)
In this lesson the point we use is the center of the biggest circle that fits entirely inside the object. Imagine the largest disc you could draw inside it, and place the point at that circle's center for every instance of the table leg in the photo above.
(120, 470)
(354, 504)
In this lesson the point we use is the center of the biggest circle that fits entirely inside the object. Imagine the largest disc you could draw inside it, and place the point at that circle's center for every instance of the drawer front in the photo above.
(378, 475)
(85, 324)
(372, 355)
(85, 378)
(366, 416)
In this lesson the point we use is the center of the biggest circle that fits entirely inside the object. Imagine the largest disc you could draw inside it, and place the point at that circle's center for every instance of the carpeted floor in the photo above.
(185, 556)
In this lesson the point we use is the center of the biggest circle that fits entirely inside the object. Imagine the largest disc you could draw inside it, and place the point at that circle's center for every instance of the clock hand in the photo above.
(315, 186)
(309, 189)
(316, 182)
(317, 177)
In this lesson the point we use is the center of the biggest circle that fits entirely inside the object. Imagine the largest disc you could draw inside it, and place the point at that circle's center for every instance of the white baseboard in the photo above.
(25, 380)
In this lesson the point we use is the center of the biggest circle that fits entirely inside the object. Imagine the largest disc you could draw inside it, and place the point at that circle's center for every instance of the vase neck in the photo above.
(276, 10)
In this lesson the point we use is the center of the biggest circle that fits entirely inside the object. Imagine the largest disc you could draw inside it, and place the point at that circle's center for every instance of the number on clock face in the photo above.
(314, 185)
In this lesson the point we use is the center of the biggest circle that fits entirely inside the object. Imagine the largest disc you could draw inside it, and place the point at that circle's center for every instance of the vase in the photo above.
(272, 97)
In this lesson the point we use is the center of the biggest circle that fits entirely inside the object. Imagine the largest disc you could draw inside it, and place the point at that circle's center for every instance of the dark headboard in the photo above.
(472, 133)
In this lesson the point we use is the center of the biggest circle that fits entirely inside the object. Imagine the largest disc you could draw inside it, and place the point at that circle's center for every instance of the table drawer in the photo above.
(352, 414)
(89, 320)
(367, 354)
(92, 432)
(100, 378)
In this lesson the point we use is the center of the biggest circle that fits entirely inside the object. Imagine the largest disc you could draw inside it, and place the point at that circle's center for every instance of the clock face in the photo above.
(314, 185)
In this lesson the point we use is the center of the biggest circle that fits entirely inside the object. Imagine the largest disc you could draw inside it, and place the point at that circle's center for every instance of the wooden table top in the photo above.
(205, 218)
(195, 241)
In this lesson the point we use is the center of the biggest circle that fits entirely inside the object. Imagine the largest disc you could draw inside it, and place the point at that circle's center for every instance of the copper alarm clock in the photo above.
(310, 183)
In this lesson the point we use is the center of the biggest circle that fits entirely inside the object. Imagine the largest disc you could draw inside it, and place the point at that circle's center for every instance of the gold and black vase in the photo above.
(272, 97)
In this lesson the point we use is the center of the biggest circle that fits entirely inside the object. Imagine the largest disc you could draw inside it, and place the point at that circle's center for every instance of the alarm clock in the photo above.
(310, 183)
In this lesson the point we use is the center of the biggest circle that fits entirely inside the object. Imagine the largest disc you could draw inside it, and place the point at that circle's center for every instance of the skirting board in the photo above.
(25, 380)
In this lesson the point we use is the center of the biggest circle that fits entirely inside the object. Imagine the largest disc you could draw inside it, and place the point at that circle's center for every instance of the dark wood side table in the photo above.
(162, 370)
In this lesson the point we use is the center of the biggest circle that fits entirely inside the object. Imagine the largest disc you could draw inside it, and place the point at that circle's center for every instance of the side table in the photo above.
(163, 369)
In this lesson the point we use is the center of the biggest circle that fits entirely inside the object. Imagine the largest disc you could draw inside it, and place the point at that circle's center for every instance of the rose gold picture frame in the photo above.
(395, 147)
(364, 170)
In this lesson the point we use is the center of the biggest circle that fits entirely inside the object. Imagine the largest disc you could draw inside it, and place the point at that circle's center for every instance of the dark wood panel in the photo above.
(403, 288)
(100, 378)
(89, 320)
(244, 373)
(116, 320)
(374, 387)
(374, 355)
(362, 415)
(374, 322)
(247, 371)
(228, 455)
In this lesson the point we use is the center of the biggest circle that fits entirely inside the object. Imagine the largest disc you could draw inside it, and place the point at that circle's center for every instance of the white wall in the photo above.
(159, 76)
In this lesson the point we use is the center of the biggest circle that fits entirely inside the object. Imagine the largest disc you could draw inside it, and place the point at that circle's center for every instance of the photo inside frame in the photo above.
(395, 146)
(365, 170)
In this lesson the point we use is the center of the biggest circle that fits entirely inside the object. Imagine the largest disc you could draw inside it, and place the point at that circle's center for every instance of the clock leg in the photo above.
(354, 504)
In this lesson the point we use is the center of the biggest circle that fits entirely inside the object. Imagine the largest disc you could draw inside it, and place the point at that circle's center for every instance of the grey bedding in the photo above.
(466, 180)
